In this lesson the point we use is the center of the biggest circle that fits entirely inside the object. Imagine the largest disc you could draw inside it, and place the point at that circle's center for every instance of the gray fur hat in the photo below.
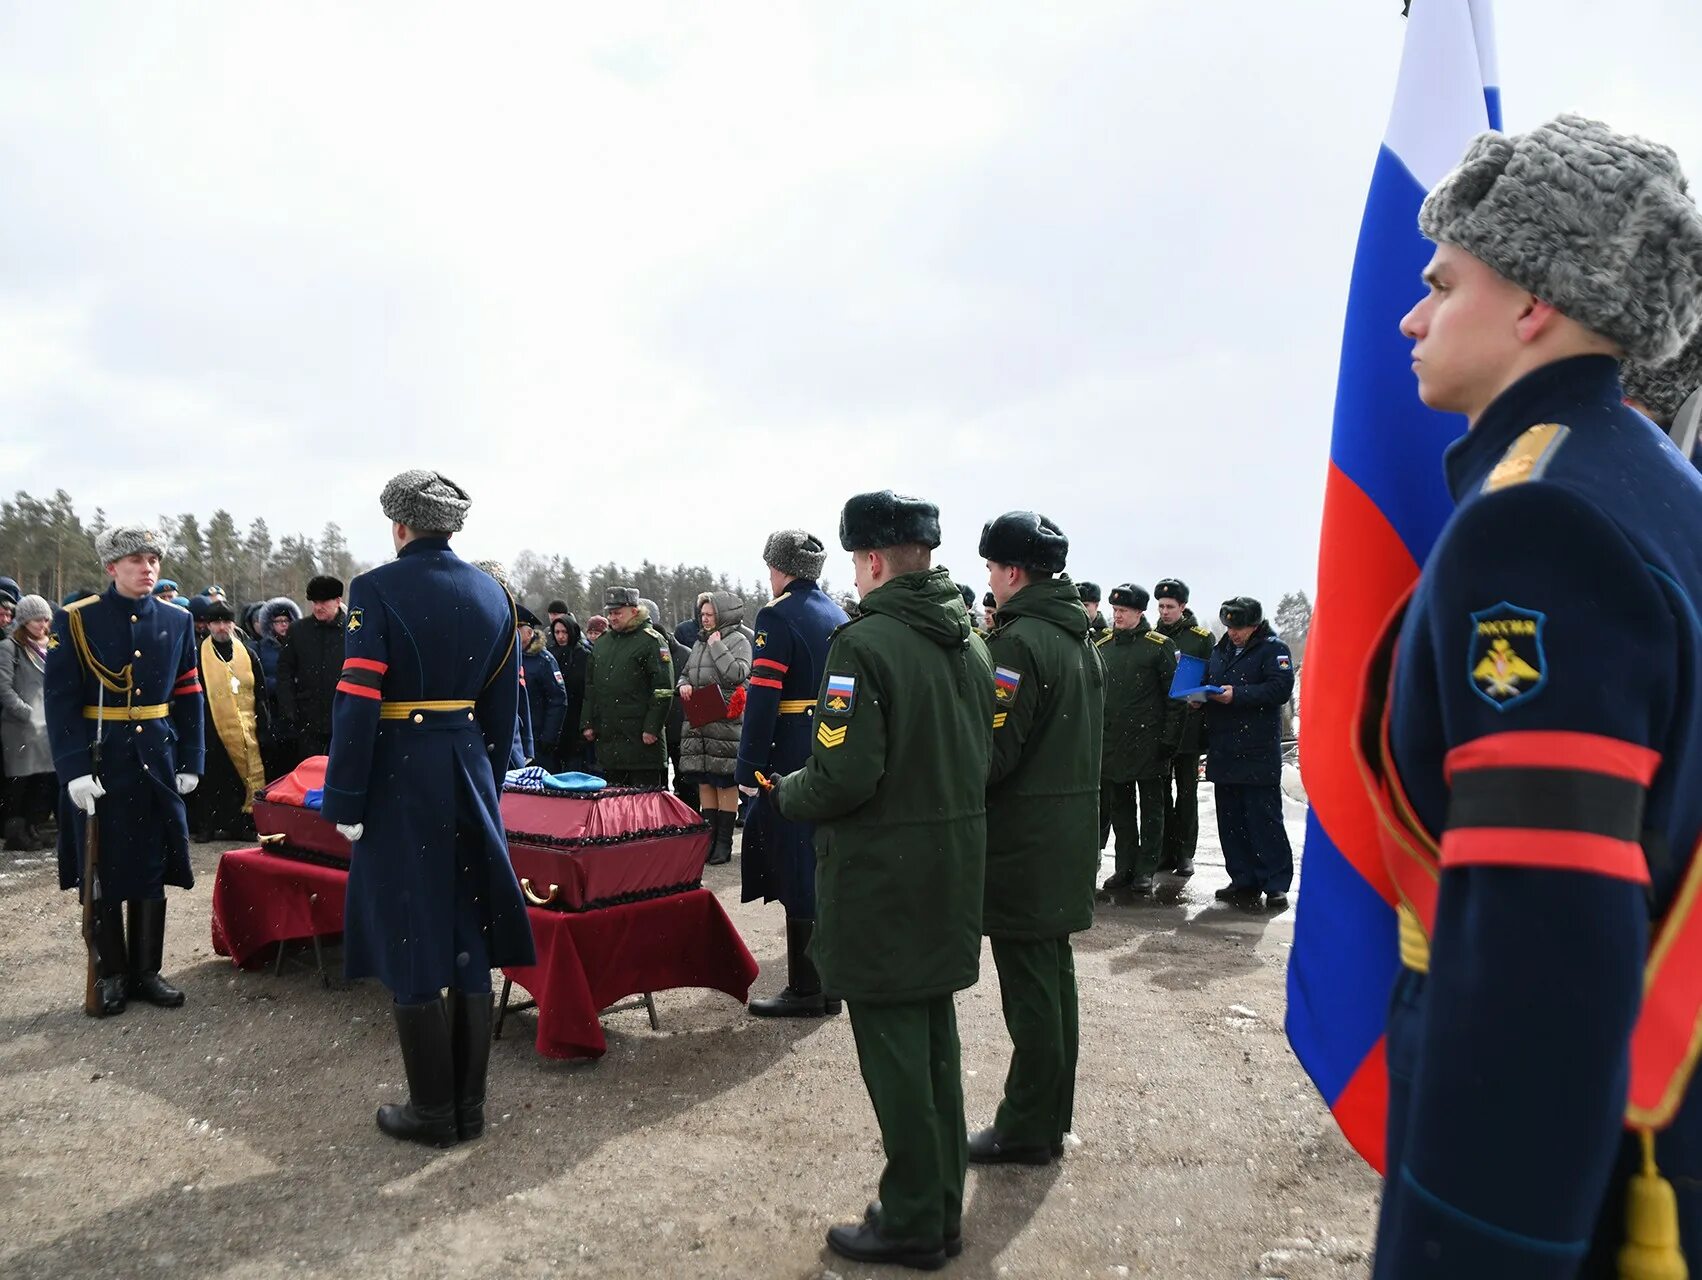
(1662, 389)
(795, 552)
(874, 521)
(426, 500)
(127, 540)
(621, 598)
(493, 568)
(31, 607)
(1596, 223)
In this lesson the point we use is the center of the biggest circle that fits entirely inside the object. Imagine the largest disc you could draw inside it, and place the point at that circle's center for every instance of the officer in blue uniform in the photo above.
(421, 727)
(1533, 727)
(122, 672)
(789, 656)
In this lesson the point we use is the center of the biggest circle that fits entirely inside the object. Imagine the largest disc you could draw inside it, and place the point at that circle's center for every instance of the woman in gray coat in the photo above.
(709, 753)
(30, 782)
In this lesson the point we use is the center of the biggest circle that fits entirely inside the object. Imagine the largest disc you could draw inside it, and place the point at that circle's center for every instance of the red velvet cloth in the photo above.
(260, 900)
(588, 960)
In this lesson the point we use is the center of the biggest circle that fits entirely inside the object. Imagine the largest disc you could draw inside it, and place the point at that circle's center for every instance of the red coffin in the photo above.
(580, 851)
(287, 827)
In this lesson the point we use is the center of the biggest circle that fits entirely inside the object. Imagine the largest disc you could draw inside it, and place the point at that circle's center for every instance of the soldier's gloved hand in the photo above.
(187, 782)
(746, 791)
(351, 831)
(84, 791)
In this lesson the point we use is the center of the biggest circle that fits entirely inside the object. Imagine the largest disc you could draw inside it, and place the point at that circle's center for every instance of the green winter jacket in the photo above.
(1190, 638)
(628, 690)
(1043, 787)
(897, 785)
(1142, 722)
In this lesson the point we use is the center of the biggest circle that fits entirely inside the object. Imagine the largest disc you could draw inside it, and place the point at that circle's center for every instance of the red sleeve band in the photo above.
(184, 690)
(359, 691)
(1555, 749)
(365, 664)
(765, 683)
(1545, 851)
(772, 665)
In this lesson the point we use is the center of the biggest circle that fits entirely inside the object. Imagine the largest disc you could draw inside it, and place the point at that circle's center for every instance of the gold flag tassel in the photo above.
(1651, 1249)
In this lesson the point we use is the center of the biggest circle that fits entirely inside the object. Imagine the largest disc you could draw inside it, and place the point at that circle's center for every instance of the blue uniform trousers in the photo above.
(1256, 852)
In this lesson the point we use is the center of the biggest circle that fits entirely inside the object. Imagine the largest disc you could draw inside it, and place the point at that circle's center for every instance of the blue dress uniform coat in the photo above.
(1543, 749)
(422, 724)
(144, 652)
(788, 659)
(546, 698)
(1244, 736)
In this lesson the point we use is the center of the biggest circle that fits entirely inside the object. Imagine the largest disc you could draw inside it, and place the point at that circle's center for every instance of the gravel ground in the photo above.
(234, 1137)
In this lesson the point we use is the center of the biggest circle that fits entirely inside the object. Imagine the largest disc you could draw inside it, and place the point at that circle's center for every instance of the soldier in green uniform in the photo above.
(1088, 593)
(1142, 727)
(1042, 827)
(1176, 621)
(897, 785)
(628, 691)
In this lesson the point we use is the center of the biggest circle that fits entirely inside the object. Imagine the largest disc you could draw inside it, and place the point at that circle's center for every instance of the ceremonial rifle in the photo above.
(91, 868)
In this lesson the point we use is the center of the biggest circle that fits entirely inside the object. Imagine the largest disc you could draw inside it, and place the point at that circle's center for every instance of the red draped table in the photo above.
(587, 960)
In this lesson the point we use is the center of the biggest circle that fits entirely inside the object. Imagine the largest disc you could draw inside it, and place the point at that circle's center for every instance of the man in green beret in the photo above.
(897, 785)
(628, 692)
(1042, 827)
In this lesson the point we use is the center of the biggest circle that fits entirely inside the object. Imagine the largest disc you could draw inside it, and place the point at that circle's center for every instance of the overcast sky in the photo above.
(652, 279)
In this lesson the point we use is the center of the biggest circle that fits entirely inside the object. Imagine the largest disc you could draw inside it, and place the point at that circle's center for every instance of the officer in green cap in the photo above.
(1142, 727)
(897, 785)
(628, 693)
(1042, 827)
(1182, 796)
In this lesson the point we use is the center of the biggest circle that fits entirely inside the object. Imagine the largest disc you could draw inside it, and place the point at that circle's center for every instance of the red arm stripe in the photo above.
(772, 665)
(766, 683)
(1555, 749)
(359, 691)
(1544, 851)
(365, 664)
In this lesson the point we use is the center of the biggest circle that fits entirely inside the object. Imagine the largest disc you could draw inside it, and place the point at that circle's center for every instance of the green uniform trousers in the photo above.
(912, 1066)
(1037, 987)
(1182, 810)
(1135, 811)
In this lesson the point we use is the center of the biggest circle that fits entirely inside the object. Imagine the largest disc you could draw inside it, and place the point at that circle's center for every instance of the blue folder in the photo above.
(1190, 672)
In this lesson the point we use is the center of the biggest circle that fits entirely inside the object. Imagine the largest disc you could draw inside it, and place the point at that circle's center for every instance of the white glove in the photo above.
(351, 831)
(746, 791)
(84, 791)
(187, 782)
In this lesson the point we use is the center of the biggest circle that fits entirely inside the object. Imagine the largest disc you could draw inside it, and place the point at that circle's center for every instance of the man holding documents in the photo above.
(1253, 672)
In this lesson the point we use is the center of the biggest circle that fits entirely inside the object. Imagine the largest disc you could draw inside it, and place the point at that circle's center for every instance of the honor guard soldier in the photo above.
(1176, 623)
(897, 783)
(1042, 827)
(789, 655)
(1536, 774)
(422, 724)
(122, 696)
(1142, 726)
(1089, 593)
(628, 693)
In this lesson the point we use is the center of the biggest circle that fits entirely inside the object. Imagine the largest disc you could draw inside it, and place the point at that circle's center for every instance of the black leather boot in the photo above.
(147, 953)
(721, 823)
(470, 1048)
(111, 968)
(803, 996)
(428, 1116)
(18, 836)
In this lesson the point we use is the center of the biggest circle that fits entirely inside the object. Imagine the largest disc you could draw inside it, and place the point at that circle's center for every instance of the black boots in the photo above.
(803, 996)
(470, 1050)
(19, 837)
(111, 971)
(721, 824)
(987, 1147)
(147, 953)
(428, 1117)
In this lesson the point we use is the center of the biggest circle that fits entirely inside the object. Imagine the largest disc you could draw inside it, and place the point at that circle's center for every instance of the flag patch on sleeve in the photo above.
(840, 696)
(1005, 683)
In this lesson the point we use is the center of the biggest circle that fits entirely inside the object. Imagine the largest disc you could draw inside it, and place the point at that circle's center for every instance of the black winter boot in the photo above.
(428, 1117)
(147, 953)
(721, 823)
(18, 836)
(803, 996)
(111, 971)
(470, 1048)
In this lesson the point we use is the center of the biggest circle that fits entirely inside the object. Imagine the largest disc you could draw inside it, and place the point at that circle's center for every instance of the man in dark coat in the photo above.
(628, 694)
(572, 652)
(897, 783)
(122, 676)
(423, 721)
(309, 667)
(1142, 724)
(546, 692)
(1244, 755)
(789, 655)
(1042, 828)
(1176, 622)
(1097, 627)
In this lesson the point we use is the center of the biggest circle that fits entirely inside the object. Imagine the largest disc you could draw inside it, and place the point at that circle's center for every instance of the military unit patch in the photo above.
(829, 737)
(1005, 683)
(840, 696)
(1507, 664)
(667, 654)
(761, 641)
(1284, 662)
(357, 619)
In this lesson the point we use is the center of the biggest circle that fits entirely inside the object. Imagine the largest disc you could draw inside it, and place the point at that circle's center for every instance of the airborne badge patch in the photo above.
(1005, 684)
(357, 619)
(840, 696)
(1507, 664)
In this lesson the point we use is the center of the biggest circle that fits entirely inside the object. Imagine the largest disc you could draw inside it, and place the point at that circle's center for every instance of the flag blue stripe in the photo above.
(1341, 970)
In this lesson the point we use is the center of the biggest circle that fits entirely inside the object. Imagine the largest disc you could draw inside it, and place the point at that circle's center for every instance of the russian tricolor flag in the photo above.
(1384, 503)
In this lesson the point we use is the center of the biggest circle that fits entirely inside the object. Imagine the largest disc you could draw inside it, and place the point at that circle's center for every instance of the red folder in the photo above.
(705, 705)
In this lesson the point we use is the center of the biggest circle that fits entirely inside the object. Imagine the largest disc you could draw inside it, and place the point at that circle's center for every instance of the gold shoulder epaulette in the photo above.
(1528, 456)
(1201, 631)
(81, 604)
(1158, 637)
(1105, 638)
(777, 599)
